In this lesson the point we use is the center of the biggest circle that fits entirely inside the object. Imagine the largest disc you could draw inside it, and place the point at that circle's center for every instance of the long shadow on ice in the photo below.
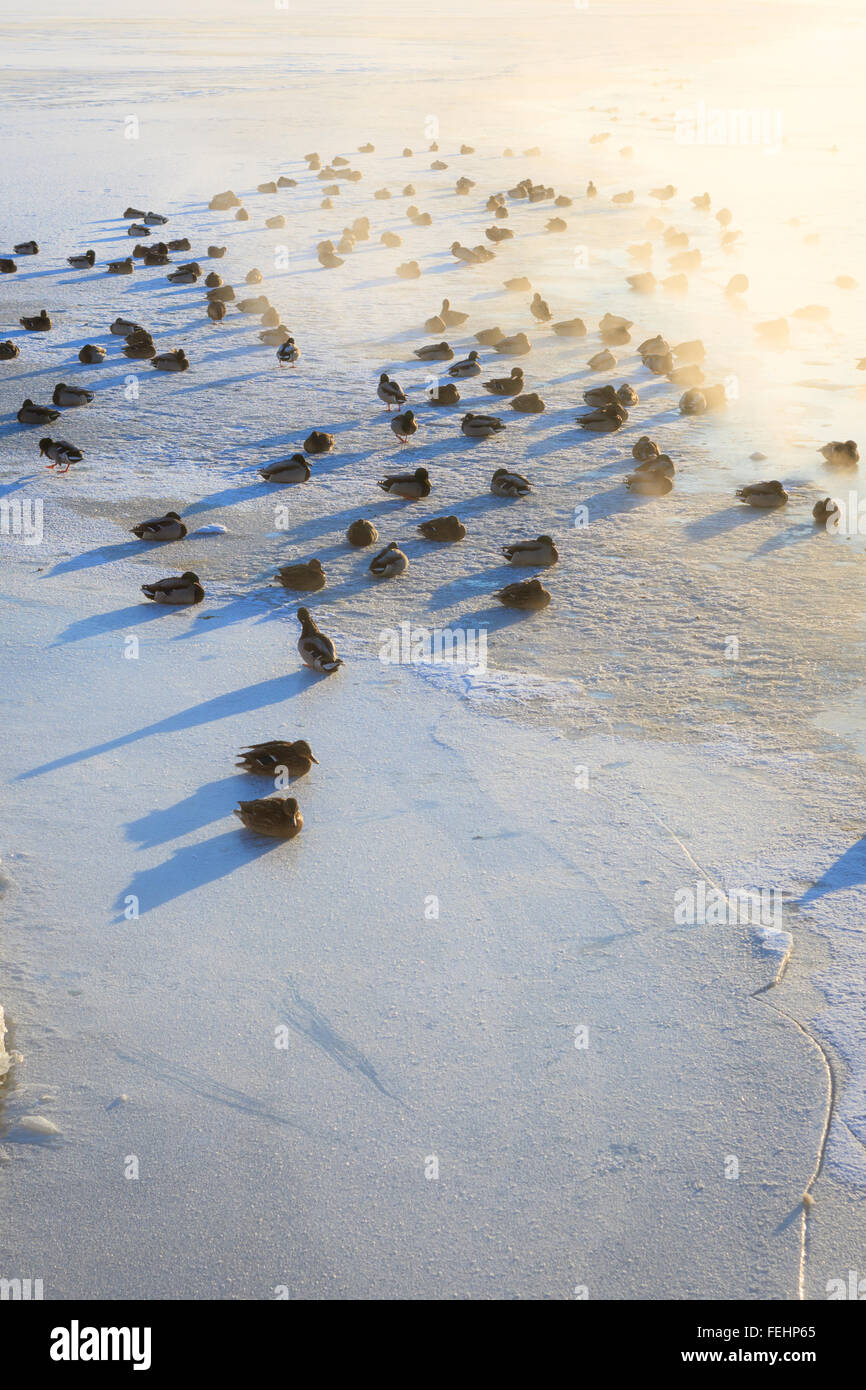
(194, 866)
(849, 871)
(102, 555)
(206, 804)
(252, 697)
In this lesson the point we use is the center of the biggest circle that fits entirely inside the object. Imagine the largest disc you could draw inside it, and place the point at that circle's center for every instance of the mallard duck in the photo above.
(138, 229)
(275, 757)
(71, 396)
(288, 354)
(216, 311)
(180, 244)
(154, 219)
(316, 650)
(36, 323)
(32, 414)
(489, 337)
(504, 483)
(174, 361)
(133, 212)
(530, 404)
(605, 420)
(392, 239)
(570, 328)
(541, 551)
(452, 318)
(307, 577)
(289, 470)
(176, 589)
(470, 366)
(518, 285)
(82, 262)
(738, 284)
(497, 234)
(540, 309)
(155, 256)
(8, 350)
(121, 328)
(213, 281)
(409, 485)
(253, 277)
(61, 452)
(160, 528)
(527, 594)
(663, 194)
(477, 426)
(258, 304)
(361, 533)
(223, 294)
(518, 345)
(216, 252)
(410, 270)
(557, 224)
(644, 449)
(124, 267)
(841, 454)
(318, 442)
(435, 352)
(601, 395)
(7, 267)
(91, 354)
(692, 375)
(274, 337)
(506, 385)
(443, 528)
(827, 511)
(602, 361)
(389, 562)
(329, 260)
(140, 345)
(627, 394)
(276, 816)
(404, 425)
(183, 276)
(644, 282)
(652, 479)
(390, 392)
(463, 253)
(26, 248)
(659, 363)
(366, 149)
(222, 202)
(770, 494)
(444, 393)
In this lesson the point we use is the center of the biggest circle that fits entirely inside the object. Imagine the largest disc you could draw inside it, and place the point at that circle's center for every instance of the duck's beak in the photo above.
(314, 760)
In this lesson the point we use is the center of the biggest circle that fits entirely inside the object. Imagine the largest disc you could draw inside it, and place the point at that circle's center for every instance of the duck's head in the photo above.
(46, 442)
(500, 473)
(190, 577)
(545, 540)
(421, 475)
(409, 416)
(174, 516)
(301, 747)
(383, 378)
(315, 564)
(304, 615)
(473, 356)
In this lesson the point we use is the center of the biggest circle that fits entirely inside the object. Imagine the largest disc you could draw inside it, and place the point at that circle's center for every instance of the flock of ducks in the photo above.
(608, 406)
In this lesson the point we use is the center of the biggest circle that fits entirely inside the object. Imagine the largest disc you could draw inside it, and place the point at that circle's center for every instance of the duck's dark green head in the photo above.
(190, 577)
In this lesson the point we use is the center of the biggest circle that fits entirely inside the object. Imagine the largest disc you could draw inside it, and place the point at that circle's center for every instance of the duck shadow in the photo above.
(206, 804)
(120, 620)
(274, 691)
(195, 866)
(848, 871)
(717, 523)
(102, 555)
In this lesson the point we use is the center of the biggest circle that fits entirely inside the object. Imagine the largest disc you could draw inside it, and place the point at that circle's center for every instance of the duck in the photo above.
(26, 248)
(663, 194)
(140, 345)
(7, 267)
(504, 483)
(289, 470)
(410, 270)
(216, 311)
(506, 385)
(518, 285)
(497, 234)
(770, 494)
(540, 309)
(216, 252)
(463, 253)
(601, 395)
(160, 528)
(278, 817)
(32, 414)
(253, 277)
(443, 528)
(61, 452)
(124, 267)
(121, 328)
(827, 511)
(390, 392)
(82, 262)
(275, 756)
(307, 577)
(841, 454)
(529, 404)
(653, 478)
(556, 224)
(570, 328)
(212, 280)
(645, 449)
(444, 393)
(183, 276)
(91, 354)
(183, 589)
(154, 219)
(316, 650)
(8, 350)
(541, 551)
(274, 337)
(404, 425)
(288, 353)
(175, 361)
(36, 323)
(489, 337)
(258, 304)
(180, 244)
(392, 239)
(223, 294)
(329, 260)
(518, 345)
(361, 533)
(527, 594)
(607, 419)
(412, 486)
(470, 366)
(435, 352)
(389, 562)
(452, 318)
(602, 361)
(71, 396)
(478, 426)
(318, 442)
